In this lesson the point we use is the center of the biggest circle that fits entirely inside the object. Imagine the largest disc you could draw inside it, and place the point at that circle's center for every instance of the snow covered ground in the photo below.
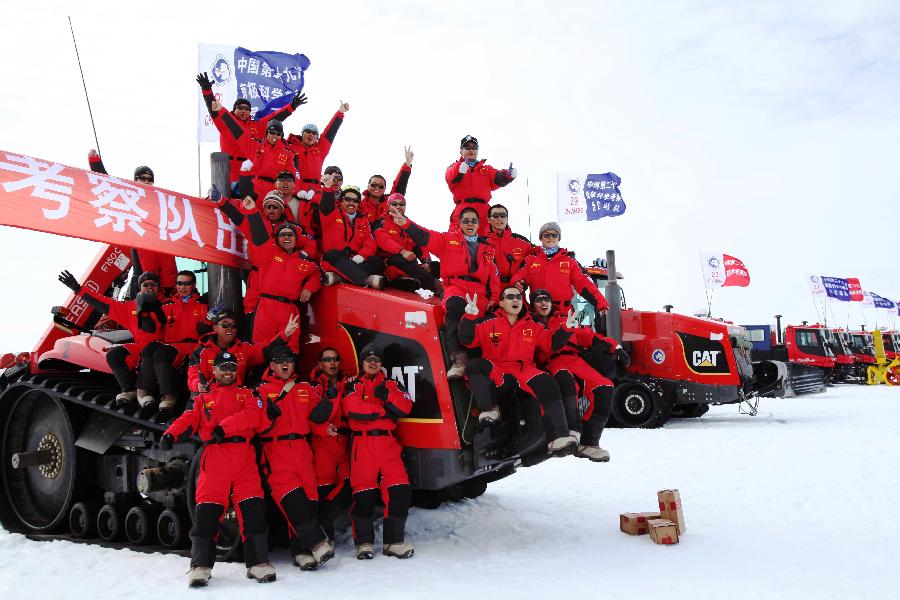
(796, 502)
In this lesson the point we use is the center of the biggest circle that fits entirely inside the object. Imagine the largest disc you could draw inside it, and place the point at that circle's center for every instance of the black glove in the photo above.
(203, 80)
(622, 357)
(332, 392)
(273, 412)
(166, 441)
(68, 280)
(381, 392)
(299, 99)
(218, 433)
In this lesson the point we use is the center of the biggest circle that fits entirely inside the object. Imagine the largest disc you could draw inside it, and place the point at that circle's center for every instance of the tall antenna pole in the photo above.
(90, 113)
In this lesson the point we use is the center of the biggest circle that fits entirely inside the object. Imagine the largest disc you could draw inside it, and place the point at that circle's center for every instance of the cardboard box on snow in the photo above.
(663, 531)
(670, 508)
(636, 523)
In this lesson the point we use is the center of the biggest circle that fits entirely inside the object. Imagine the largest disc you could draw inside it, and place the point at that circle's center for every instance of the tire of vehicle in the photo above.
(81, 522)
(170, 529)
(109, 523)
(635, 406)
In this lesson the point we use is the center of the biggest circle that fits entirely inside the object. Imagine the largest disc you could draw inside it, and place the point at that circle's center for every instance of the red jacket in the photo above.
(233, 407)
(280, 273)
(478, 182)
(301, 406)
(126, 315)
(558, 275)
(392, 239)
(511, 250)
(373, 211)
(375, 402)
(268, 161)
(161, 264)
(582, 337)
(311, 158)
(503, 343)
(339, 232)
(184, 318)
(200, 365)
(456, 260)
(327, 389)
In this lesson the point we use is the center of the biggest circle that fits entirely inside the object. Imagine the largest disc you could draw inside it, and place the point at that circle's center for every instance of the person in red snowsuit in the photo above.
(224, 339)
(471, 182)
(311, 151)
(236, 127)
(555, 269)
(142, 317)
(576, 377)
(269, 157)
(467, 268)
(373, 404)
(285, 277)
(292, 408)
(401, 254)
(348, 248)
(508, 339)
(373, 205)
(187, 318)
(511, 248)
(331, 443)
(225, 418)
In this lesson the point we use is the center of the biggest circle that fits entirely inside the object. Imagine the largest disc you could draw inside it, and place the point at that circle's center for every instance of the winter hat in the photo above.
(276, 126)
(285, 225)
(540, 294)
(351, 188)
(148, 276)
(274, 196)
(241, 101)
(396, 197)
(225, 314)
(311, 127)
(551, 226)
(285, 175)
(282, 354)
(368, 350)
(225, 358)
(143, 170)
(468, 139)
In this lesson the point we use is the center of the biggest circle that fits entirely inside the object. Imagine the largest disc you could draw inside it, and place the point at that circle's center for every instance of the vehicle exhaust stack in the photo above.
(778, 334)
(614, 297)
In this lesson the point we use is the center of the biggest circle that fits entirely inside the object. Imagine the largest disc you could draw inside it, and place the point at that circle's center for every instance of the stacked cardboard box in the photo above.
(664, 527)
(670, 508)
(636, 523)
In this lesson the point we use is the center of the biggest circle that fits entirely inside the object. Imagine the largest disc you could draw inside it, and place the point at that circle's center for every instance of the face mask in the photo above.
(471, 163)
(472, 238)
(551, 251)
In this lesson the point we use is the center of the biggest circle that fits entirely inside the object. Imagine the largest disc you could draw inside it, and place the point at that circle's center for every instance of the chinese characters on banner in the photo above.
(723, 270)
(836, 287)
(267, 79)
(45, 196)
(856, 291)
(588, 197)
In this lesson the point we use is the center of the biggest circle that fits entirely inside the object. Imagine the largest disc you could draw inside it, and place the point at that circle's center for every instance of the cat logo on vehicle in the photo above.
(658, 356)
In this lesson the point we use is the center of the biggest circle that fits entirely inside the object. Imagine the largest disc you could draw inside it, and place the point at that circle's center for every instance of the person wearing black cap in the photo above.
(311, 151)
(236, 127)
(269, 157)
(291, 408)
(143, 317)
(225, 419)
(373, 404)
(471, 182)
(577, 377)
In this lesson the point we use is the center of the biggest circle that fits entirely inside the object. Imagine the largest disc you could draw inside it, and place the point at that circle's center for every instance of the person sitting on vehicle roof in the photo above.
(512, 248)
(555, 269)
(349, 251)
(467, 267)
(401, 254)
(471, 182)
(143, 317)
(508, 339)
(187, 318)
(291, 409)
(237, 129)
(269, 157)
(373, 404)
(311, 151)
(225, 418)
(577, 378)
(373, 205)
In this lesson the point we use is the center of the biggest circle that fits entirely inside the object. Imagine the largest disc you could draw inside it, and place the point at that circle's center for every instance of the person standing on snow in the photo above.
(225, 419)
(471, 182)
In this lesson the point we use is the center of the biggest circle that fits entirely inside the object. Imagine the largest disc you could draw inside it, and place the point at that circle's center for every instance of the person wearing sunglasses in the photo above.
(471, 182)
(467, 268)
(237, 128)
(349, 252)
(331, 444)
(373, 205)
(509, 338)
(401, 254)
(373, 404)
(312, 150)
(268, 157)
(512, 248)
(224, 338)
(576, 377)
(225, 418)
(555, 269)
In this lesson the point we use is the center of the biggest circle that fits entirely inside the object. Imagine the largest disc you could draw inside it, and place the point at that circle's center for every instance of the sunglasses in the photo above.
(352, 199)
(398, 203)
(272, 205)
(227, 367)
(330, 359)
(273, 132)
(549, 235)
(512, 296)
(542, 299)
(372, 359)
(469, 221)
(470, 147)
(337, 177)
(149, 284)
(499, 215)
(286, 234)
(283, 361)
(377, 186)
(184, 283)
(145, 178)
(227, 325)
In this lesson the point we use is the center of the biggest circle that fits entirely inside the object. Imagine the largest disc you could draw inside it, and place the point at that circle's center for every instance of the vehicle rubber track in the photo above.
(805, 380)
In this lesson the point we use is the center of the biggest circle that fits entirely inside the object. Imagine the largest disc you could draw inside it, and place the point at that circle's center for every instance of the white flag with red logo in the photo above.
(723, 270)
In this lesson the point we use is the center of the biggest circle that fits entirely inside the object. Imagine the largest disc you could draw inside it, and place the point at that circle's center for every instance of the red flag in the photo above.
(736, 273)
(856, 291)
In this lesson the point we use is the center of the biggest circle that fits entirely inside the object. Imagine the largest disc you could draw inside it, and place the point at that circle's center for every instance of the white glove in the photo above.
(246, 165)
(513, 173)
(358, 259)
(472, 304)
(571, 320)
(463, 167)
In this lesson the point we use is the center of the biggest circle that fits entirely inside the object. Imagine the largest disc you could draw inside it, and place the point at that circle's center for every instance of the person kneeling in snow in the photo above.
(225, 418)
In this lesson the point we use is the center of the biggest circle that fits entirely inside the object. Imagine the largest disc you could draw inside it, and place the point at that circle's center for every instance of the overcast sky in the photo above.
(766, 130)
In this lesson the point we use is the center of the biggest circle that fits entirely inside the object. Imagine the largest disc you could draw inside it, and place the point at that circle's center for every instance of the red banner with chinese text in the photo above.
(856, 291)
(45, 196)
(736, 273)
